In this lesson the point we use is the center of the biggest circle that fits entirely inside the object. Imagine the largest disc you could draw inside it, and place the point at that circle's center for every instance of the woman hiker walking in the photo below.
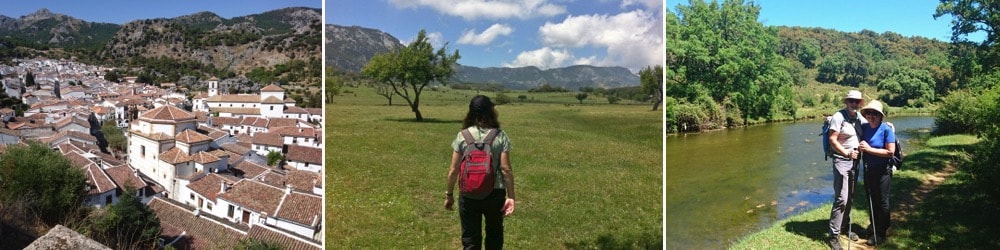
(481, 125)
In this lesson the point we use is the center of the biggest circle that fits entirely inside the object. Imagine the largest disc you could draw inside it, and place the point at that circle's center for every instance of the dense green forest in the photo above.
(725, 69)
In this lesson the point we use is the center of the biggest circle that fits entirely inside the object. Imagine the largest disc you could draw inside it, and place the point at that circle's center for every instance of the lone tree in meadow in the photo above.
(581, 96)
(412, 68)
(652, 83)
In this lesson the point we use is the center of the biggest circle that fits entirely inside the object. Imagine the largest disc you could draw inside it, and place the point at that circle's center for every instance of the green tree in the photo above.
(112, 76)
(972, 16)
(581, 96)
(255, 244)
(29, 79)
(412, 68)
(501, 98)
(728, 52)
(43, 179)
(116, 139)
(127, 224)
(652, 83)
(907, 87)
(274, 157)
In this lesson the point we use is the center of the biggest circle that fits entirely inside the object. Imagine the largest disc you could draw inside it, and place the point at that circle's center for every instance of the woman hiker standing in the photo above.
(480, 121)
(878, 143)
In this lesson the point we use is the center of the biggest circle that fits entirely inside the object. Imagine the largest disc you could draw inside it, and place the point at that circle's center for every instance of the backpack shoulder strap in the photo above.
(491, 136)
(468, 137)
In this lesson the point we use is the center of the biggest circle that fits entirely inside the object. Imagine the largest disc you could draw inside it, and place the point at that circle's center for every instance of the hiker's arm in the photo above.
(508, 182)
(452, 178)
(837, 147)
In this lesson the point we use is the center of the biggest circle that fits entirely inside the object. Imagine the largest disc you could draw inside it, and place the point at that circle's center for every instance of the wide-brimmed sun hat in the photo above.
(853, 94)
(874, 105)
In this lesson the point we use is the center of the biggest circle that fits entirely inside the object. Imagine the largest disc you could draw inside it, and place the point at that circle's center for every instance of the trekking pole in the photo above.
(871, 209)
(850, 197)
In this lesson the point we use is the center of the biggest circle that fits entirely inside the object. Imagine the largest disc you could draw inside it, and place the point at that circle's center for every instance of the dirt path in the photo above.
(908, 203)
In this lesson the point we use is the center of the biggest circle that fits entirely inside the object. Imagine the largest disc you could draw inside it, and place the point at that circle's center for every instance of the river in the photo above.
(723, 185)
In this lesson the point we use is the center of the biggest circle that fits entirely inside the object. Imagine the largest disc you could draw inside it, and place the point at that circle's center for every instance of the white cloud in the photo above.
(488, 35)
(650, 4)
(486, 9)
(632, 39)
(547, 58)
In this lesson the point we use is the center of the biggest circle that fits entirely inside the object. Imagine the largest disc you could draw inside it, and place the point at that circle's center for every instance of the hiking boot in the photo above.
(853, 236)
(834, 243)
(868, 233)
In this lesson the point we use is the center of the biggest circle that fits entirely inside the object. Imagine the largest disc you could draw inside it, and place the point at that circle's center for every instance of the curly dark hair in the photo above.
(481, 113)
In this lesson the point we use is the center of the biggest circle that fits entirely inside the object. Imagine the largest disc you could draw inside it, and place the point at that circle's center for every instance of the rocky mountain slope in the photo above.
(238, 44)
(45, 28)
(350, 48)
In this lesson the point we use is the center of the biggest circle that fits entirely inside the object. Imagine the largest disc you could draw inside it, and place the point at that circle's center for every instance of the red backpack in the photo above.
(477, 176)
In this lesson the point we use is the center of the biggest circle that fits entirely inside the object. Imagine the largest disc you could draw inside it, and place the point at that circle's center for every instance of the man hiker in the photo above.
(844, 141)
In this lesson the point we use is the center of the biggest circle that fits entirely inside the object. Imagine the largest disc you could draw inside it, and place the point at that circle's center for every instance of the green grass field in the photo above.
(587, 176)
(949, 217)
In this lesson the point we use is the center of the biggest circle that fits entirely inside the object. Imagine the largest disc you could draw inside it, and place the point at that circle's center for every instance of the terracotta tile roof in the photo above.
(282, 122)
(260, 122)
(295, 110)
(190, 136)
(268, 139)
(219, 121)
(238, 111)
(272, 100)
(174, 155)
(213, 133)
(234, 98)
(293, 131)
(301, 180)
(289, 100)
(123, 176)
(213, 79)
(248, 169)
(244, 138)
(304, 154)
(155, 136)
(234, 157)
(235, 148)
(66, 148)
(99, 180)
(256, 196)
(72, 120)
(209, 186)
(284, 240)
(272, 178)
(272, 88)
(199, 233)
(78, 160)
(204, 157)
(167, 113)
(201, 95)
(301, 208)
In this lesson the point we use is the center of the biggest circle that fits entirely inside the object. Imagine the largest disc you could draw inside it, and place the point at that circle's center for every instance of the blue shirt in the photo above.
(877, 138)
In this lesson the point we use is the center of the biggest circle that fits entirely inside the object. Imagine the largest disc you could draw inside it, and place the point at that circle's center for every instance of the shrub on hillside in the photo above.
(984, 171)
(502, 98)
(957, 113)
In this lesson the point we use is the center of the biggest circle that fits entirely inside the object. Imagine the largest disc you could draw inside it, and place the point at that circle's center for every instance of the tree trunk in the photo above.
(656, 104)
(420, 117)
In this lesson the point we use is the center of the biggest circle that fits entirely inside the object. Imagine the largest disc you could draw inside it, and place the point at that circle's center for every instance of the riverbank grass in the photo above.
(945, 214)
(588, 176)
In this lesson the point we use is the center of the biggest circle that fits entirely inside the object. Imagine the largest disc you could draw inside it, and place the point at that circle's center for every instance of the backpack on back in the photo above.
(477, 175)
(896, 161)
(825, 134)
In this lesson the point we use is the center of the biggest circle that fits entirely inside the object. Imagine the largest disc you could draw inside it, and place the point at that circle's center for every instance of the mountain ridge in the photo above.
(349, 48)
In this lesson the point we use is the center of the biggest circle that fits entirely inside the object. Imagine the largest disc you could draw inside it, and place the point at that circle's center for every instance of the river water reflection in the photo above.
(723, 185)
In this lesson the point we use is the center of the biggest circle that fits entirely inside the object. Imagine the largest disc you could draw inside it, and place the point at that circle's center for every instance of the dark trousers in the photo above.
(877, 183)
(472, 212)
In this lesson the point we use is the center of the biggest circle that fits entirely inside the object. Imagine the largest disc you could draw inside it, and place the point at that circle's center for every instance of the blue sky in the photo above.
(508, 33)
(123, 11)
(908, 18)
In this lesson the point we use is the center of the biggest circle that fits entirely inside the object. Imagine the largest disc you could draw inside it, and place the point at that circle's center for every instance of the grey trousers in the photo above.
(844, 176)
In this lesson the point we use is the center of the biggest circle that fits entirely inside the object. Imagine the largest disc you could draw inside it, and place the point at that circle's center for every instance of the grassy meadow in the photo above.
(587, 176)
(950, 216)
